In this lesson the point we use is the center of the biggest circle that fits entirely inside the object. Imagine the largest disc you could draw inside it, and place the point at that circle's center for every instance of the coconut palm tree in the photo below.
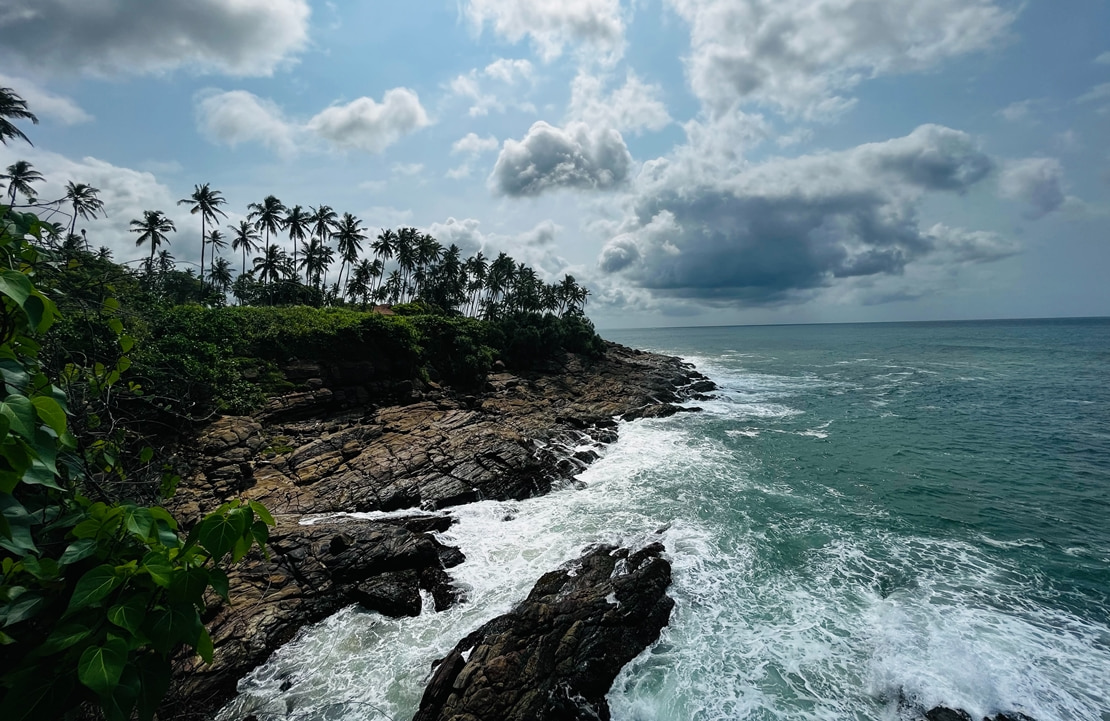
(245, 239)
(13, 106)
(317, 257)
(348, 239)
(268, 216)
(85, 201)
(324, 221)
(217, 242)
(152, 228)
(406, 252)
(220, 276)
(20, 175)
(273, 265)
(297, 224)
(206, 202)
(358, 286)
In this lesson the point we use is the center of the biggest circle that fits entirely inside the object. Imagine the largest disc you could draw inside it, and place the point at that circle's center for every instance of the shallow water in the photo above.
(865, 513)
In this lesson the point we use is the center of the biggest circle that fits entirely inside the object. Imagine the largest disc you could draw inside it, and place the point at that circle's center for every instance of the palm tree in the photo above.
(152, 228)
(324, 222)
(297, 223)
(317, 257)
(406, 251)
(476, 269)
(165, 262)
(20, 175)
(221, 274)
(207, 202)
(217, 242)
(359, 284)
(13, 106)
(268, 216)
(246, 239)
(272, 266)
(348, 238)
(85, 203)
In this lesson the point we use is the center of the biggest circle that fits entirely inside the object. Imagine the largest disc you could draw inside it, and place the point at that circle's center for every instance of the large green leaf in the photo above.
(78, 550)
(21, 415)
(159, 567)
(130, 613)
(64, 636)
(16, 286)
(101, 666)
(218, 533)
(51, 413)
(94, 586)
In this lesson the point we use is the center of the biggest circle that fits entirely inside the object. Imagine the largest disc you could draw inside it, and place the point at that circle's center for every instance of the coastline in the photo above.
(326, 449)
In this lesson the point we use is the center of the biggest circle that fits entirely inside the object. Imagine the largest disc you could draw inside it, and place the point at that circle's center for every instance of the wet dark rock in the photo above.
(313, 571)
(658, 410)
(554, 657)
(943, 713)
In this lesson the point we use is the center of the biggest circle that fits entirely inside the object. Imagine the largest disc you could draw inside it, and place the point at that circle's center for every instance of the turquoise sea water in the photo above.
(864, 517)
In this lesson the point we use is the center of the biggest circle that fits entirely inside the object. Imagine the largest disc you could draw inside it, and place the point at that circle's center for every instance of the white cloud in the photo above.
(368, 125)
(595, 25)
(1103, 59)
(784, 230)
(801, 56)
(44, 103)
(472, 144)
(125, 192)
(634, 107)
(535, 246)
(1020, 110)
(1037, 182)
(459, 172)
(1098, 94)
(134, 37)
(234, 117)
(409, 169)
(474, 85)
(549, 158)
(509, 71)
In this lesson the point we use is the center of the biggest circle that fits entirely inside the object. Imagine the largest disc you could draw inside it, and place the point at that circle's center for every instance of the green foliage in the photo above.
(95, 596)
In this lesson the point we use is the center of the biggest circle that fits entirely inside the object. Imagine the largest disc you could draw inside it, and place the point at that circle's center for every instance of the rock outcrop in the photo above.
(327, 447)
(513, 441)
(313, 571)
(554, 657)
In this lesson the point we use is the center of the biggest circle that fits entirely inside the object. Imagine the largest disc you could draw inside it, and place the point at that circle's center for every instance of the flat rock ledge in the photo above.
(555, 656)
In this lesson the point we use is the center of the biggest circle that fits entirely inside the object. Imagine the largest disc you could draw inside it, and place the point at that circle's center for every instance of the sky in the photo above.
(691, 162)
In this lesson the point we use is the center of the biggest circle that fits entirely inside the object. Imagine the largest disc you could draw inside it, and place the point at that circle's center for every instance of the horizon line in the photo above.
(865, 322)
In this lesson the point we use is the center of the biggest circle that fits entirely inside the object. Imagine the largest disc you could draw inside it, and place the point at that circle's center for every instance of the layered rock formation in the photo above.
(328, 448)
(554, 657)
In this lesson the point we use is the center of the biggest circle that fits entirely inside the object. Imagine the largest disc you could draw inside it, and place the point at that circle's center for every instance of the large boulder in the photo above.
(555, 656)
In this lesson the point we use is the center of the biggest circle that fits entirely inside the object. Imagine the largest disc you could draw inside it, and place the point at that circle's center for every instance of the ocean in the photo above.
(865, 518)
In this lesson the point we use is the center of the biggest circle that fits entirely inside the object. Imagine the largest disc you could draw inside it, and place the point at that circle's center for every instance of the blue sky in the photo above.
(691, 161)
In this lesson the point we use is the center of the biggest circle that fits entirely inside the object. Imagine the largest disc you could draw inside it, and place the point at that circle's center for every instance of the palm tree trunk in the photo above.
(202, 236)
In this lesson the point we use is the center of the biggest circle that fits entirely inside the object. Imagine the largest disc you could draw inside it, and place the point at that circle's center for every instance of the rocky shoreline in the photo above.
(328, 449)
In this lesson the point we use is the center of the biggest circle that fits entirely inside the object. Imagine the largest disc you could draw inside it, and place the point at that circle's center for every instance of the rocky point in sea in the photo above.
(338, 444)
(554, 656)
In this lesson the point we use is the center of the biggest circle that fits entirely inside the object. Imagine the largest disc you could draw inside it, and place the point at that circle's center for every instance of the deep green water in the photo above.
(864, 515)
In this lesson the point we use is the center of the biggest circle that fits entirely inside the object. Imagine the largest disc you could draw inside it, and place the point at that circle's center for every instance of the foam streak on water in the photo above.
(833, 556)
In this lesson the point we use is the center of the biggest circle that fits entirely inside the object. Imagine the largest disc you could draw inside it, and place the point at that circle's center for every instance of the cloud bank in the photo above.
(137, 37)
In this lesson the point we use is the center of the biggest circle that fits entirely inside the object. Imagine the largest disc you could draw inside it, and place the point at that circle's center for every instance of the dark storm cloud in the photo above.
(783, 229)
